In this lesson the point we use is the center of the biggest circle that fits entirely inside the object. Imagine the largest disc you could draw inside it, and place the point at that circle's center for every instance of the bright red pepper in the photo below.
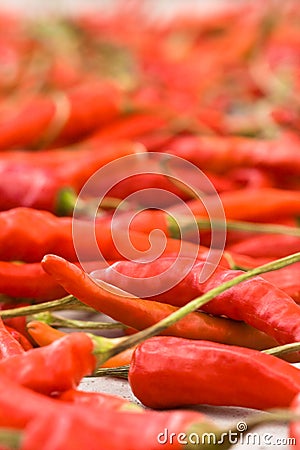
(168, 372)
(9, 346)
(54, 368)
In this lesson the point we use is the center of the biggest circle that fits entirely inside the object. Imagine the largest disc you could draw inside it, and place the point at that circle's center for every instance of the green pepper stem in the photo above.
(283, 349)
(11, 438)
(199, 302)
(118, 372)
(62, 303)
(58, 321)
(183, 225)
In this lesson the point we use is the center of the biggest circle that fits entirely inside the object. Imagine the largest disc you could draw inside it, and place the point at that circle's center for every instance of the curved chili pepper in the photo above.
(55, 368)
(256, 302)
(168, 372)
(141, 314)
(9, 346)
(43, 335)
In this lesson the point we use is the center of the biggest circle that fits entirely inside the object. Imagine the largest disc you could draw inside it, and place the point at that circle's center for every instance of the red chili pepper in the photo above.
(28, 281)
(43, 335)
(98, 401)
(141, 314)
(27, 235)
(78, 430)
(20, 405)
(168, 372)
(270, 246)
(129, 127)
(87, 106)
(9, 346)
(256, 301)
(294, 428)
(222, 153)
(55, 368)
(39, 177)
(266, 204)
(287, 279)
(23, 341)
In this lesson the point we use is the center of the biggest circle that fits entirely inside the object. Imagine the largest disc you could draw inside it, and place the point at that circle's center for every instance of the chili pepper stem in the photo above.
(57, 321)
(10, 437)
(118, 372)
(198, 303)
(176, 229)
(62, 303)
(283, 349)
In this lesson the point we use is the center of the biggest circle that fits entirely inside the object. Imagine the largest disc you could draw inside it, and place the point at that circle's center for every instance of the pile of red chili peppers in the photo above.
(219, 90)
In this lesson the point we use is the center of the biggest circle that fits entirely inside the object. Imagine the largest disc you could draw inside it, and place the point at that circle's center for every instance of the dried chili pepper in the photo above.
(172, 365)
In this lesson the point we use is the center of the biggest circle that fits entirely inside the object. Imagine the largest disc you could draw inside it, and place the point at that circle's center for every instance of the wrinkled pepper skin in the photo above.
(168, 372)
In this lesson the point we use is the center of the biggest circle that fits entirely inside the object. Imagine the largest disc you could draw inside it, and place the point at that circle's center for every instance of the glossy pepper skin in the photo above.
(140, 314)
(256, 301)
(9, 346)
(89, 105)
(39, 176)
(54, 368)
(97, 401)
(28, 234)
(115, 430)
(28, 281)
(272, 246)
(168, 372)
